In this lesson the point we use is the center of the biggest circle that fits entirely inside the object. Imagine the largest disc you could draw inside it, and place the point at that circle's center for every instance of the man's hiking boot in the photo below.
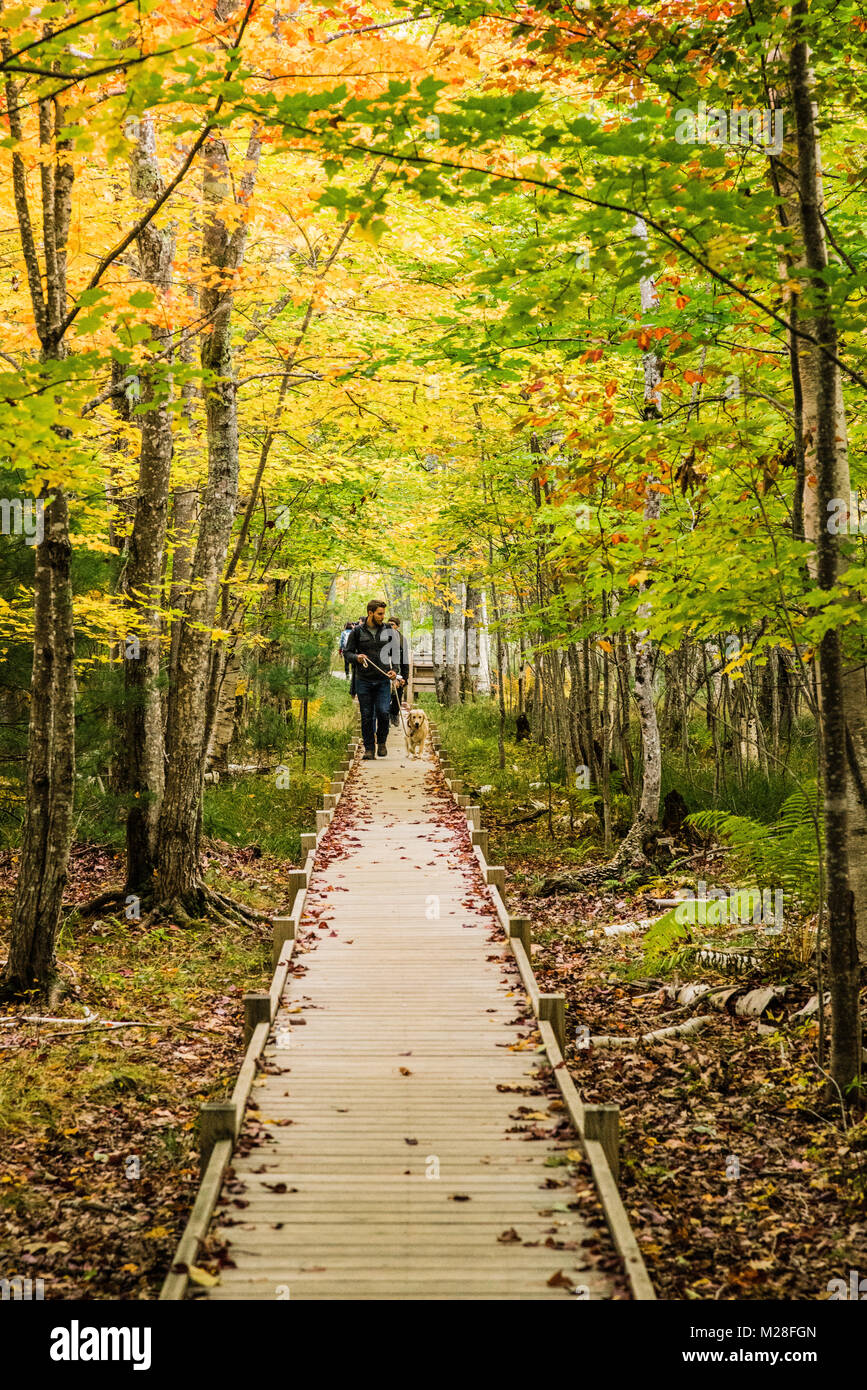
(382, 751)
(368, 753)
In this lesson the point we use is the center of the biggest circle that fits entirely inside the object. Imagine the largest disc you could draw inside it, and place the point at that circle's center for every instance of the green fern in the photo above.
(784, 855)
(665, 935)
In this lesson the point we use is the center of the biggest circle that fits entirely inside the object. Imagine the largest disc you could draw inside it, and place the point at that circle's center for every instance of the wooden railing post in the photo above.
(520, 927)
(496, 877)
(602, 1122)
(552, 1009)
(257, 1009)
(216, 1121)
(283, 931)
(296, 879)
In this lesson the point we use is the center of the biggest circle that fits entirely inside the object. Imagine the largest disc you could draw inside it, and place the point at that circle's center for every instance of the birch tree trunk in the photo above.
(472, 639)
(646, 820)
(223, 730)
(177, 872)
(143, 766)
(445, 619)
(484, 677)
(830, 465)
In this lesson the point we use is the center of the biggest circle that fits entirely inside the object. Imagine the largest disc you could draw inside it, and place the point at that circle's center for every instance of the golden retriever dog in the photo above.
(416, 732)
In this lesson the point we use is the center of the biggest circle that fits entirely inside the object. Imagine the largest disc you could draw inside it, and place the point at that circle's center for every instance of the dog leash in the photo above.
(371, 662)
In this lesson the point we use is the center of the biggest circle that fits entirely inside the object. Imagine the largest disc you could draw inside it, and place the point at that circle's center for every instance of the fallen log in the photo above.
(89, 1019)
(676, 1030)
(525, 820)
(810, 1009)
(725, 960)
(757, 1001)
(625, 928)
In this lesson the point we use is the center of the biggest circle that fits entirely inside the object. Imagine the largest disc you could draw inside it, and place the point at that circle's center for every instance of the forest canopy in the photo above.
(553, 317)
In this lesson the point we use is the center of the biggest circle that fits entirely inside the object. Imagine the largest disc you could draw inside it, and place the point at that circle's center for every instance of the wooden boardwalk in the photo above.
(400, 1141)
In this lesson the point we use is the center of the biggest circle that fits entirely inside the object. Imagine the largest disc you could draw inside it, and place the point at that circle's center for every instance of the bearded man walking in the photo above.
(376, 653)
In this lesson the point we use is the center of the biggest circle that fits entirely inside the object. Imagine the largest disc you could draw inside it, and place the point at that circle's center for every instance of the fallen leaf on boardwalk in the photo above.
(508, 1237)
(202, 1277)
(405, 1071)
(560, 1281)
(458, 1197)
(410, 1141)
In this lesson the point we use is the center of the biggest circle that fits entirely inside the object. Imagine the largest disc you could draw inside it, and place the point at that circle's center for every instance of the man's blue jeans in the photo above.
(374, 702)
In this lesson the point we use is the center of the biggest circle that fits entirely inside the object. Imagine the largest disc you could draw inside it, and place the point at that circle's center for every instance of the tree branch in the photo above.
(154, 208)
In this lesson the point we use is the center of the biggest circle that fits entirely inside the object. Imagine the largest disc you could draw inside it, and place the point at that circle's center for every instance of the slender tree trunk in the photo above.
(50, 783)
(446, 629)
(812, 516)
(472, 639)
(501, 696)
(143, 771)
(646, 820)
(223, 251)
(184, 514)
(836, 737)
(48, 822)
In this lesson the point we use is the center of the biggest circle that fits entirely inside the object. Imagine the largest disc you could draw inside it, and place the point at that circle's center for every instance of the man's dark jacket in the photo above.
(380, 644)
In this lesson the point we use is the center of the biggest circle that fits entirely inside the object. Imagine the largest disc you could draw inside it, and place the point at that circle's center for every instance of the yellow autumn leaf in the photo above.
(737, 661)
(202, 1277)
